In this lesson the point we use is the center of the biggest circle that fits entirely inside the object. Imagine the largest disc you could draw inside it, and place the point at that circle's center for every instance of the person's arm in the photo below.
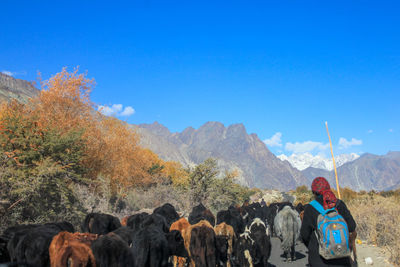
(307, 226)
(344, 211)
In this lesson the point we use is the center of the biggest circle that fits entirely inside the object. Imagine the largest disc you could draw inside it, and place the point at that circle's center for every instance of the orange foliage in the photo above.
(116, 154)
(21, 114)
(176, 173)
(111, 147)
(64, 101)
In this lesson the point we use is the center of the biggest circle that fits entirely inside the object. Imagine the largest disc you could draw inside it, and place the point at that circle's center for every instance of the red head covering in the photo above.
(321, 186)
(329, 199)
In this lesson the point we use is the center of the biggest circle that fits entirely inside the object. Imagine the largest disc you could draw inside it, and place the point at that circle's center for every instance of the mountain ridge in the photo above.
(231, 145)
(368, 172)
(258, 166)
(236, 149)
(305, 160)
(12, 88)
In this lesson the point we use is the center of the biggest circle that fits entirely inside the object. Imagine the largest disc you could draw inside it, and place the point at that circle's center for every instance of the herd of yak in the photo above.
(238, 236)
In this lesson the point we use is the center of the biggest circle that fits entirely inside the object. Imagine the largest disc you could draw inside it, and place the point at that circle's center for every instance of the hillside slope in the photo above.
(232, 146)
(11, 88)
(368, 172)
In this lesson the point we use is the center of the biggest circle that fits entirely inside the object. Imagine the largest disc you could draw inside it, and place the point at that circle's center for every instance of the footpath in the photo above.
(378, 256)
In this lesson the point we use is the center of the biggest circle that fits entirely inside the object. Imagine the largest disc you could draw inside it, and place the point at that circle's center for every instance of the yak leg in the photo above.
(287, 253)
(293, 252)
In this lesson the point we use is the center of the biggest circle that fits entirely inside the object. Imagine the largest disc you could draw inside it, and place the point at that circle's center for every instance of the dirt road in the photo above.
(277, 259)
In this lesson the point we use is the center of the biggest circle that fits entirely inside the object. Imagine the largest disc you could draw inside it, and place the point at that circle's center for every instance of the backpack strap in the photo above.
(315, 204)
(320, 208)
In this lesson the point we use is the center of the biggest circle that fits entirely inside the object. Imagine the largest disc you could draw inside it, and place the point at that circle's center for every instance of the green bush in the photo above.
(214, 190)
(37, 168)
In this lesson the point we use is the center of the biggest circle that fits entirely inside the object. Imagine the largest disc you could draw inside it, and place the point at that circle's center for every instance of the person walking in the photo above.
(327, 224)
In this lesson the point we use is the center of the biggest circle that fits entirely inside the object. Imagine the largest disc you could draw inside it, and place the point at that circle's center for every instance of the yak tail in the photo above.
(66, 257)
(289, 236)
(296, 229)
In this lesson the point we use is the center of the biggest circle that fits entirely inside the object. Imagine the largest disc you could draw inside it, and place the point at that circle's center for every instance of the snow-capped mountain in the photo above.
(303, 161)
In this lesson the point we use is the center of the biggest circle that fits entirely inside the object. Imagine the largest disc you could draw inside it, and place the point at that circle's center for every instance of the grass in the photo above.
(378, 220)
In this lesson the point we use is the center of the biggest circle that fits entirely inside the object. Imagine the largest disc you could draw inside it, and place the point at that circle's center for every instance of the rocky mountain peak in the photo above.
(303, 161)
(367, 172)
(12, 88)
(237, 130)
(210, 130)
(212, 126)
(254, 136)
(393, 155)
(232, 147)
(188, 130)
(187, 135)
(156, 128)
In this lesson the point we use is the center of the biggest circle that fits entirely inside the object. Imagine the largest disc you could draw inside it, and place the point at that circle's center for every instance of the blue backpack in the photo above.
(332, 233)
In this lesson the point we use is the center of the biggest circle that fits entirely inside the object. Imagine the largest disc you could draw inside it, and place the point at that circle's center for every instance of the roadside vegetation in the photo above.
(61, 158)
(376, 213)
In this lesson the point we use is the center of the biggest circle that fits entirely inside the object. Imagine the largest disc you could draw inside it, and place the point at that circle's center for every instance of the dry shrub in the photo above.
(347, 194)
(377, 220)
(303, 195)
(158, 195)
(95, 199)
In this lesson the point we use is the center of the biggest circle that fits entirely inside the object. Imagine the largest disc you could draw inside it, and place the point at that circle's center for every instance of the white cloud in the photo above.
(117, 107)
(275, 140)
(116, 110)
(307, 146)
(105, 110)
(344, 143)
(370, 131)
(7, 72)
(110, 111)
(13, 73)
(128, 111)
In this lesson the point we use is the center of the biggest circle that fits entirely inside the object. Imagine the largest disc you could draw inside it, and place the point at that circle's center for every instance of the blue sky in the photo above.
(282, 68)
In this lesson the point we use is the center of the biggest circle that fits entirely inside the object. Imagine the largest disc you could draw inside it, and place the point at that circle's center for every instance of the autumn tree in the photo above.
(64, 104)
(178, 175)
(121, 159)
(37, 165)
(25, 141)
(111, 146)
(59, 139)
(64, 101)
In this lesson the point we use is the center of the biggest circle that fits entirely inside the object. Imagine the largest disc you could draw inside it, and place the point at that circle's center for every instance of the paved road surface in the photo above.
(277, 259)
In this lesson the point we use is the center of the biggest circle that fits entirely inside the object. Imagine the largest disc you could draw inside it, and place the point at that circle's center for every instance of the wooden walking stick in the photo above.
(333, 159)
